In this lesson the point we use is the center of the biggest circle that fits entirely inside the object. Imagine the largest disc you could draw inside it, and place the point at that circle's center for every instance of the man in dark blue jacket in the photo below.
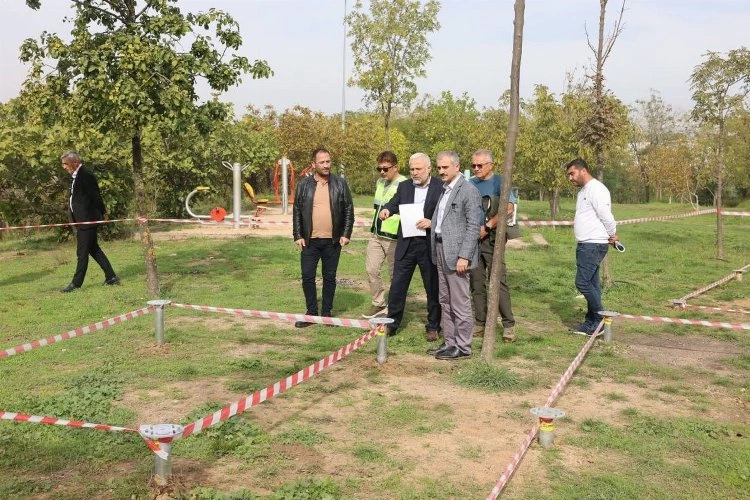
(322, 223)
(85, 204)
(425, 190)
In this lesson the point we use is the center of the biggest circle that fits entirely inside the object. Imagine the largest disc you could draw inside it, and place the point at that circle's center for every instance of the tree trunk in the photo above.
(554, 203)
(387, 126)
(719, 189)
(493, 299)
(599, 90)
(152, 277)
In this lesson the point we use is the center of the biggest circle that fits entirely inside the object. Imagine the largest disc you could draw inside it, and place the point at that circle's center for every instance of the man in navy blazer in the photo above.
(85, 204)
(415, 251)
(455, 231)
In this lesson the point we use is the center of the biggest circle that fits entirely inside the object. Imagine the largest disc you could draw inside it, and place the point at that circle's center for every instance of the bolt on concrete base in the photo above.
(159, 432)
(679, 304)
(378, 324)
(547, 418)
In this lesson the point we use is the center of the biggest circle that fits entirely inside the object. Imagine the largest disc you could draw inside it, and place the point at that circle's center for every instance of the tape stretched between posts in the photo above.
(524, 446)
(75, 333)
(323, 320)
(681, 321)
(35, 419)
(272, 390)
(88, 223)
(719, 309)
(728, 277)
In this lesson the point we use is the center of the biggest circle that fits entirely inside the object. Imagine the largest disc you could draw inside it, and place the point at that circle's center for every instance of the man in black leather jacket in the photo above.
(322, 223)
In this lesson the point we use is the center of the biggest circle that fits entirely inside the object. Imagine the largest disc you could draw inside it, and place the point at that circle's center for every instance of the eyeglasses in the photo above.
(480, 165)
(384, 169)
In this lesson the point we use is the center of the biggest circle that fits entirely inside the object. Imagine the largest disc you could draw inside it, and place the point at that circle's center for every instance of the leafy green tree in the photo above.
(126, 68)
(390, 50)
(545, 144)
(720, 84)
(447, 122)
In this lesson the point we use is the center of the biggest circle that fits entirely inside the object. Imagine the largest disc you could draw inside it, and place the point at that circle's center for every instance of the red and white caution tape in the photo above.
(719, 309)
(716, 283)
(524, 447)
(39, 226)
(619, 222)
(667, 217)
(24, 417)
(323, 320)
(740, 214)
(680, 321)
(75, 333)
(533, 223)
(272, 390)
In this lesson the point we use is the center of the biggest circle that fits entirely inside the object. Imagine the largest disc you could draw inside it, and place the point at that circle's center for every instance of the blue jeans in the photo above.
(588, 258)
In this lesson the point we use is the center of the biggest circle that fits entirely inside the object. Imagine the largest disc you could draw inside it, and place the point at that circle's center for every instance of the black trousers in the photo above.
(403, 270)
(319, 249)
(87, 245)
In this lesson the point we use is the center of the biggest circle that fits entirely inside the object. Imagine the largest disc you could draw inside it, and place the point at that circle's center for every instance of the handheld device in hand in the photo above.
(619, 246)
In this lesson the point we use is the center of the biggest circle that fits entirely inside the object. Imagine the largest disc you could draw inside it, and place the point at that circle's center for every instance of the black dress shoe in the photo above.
(434, 350)
(114, 280)
(390, 330)
(70, 288)
(302, 324)
(452, 353)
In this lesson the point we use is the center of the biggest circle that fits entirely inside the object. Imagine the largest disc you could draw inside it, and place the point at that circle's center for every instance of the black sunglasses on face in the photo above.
(383, 169)
(480, 165)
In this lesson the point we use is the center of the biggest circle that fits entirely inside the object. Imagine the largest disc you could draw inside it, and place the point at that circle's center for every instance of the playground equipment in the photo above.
(280, 183)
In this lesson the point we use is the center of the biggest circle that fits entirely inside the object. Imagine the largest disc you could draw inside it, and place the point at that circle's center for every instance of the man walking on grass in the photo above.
(595, 229)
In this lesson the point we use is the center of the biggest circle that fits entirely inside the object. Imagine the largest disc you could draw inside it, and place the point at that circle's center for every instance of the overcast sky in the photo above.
(302, 40)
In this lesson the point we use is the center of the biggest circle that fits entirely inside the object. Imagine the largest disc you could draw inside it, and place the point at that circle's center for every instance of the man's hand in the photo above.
(384, 214)
(300, 243)
(424, 223)
(613, 239)
(462, 265)
(343, 241)
(509, 211)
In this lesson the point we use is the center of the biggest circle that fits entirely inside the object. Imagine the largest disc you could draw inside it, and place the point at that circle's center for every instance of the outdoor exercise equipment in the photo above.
(283, 171)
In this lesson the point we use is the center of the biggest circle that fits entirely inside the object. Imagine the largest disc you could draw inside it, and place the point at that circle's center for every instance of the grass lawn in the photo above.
(661, 412)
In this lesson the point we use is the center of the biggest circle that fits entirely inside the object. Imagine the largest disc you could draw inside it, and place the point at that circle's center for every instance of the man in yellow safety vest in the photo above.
(382, 244)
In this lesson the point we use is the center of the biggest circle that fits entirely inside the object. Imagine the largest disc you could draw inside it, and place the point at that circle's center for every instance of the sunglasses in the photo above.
(383, 169)
(480, 165)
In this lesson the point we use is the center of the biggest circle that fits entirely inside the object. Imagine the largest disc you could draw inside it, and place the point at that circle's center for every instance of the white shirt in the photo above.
(73, 185)
(420, 193)
(594, 222)
(443, 202)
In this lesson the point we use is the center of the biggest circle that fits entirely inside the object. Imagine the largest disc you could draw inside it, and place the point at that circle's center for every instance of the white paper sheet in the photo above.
(411, 213)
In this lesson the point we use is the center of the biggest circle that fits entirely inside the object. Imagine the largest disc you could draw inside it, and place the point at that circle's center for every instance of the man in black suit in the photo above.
(415, 251)
(85, 204)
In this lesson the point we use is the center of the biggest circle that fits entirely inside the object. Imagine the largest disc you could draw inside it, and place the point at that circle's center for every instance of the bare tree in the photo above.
(488, 346)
